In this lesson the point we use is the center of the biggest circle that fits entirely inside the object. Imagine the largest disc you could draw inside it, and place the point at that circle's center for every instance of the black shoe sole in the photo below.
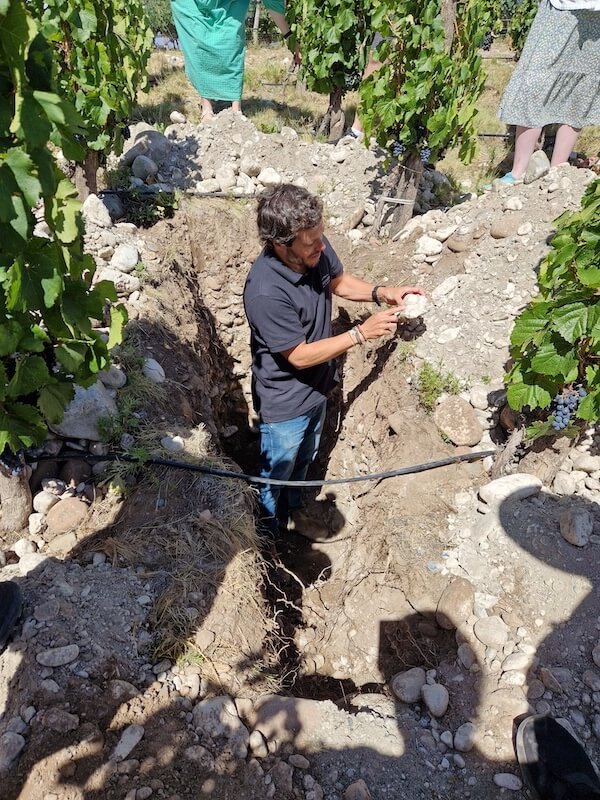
(553, 763)
(11, 603)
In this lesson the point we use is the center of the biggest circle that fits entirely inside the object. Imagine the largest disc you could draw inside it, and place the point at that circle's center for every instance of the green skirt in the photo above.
(212, 37)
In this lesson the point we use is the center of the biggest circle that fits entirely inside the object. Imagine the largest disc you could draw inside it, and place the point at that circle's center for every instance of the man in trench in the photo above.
(287, 299)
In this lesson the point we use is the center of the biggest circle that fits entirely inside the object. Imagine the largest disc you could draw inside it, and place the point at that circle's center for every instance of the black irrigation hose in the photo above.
(223, 473)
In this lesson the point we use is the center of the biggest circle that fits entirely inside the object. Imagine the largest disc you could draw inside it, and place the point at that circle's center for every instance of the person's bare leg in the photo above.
(207, 109)
(371, 67)
(525, 141)
(236, 105)
(564, 144)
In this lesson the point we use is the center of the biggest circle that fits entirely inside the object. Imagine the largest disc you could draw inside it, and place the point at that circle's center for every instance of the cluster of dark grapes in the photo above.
(397, 148)
(487, 40)
(565, 406)
(425, 153)
(353, 80)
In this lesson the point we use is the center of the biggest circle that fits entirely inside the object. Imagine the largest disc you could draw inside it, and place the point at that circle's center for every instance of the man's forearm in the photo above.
(309, 354)
(349, 287)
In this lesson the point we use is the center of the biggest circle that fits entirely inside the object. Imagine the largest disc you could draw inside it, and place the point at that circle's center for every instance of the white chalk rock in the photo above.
(414, 306)
(513, 487)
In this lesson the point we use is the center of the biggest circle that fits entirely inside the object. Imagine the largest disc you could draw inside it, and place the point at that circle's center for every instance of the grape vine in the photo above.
(555, 343)
(423, 99)
(520, 23)
(101, 48)
(47, 342)
(333, 36)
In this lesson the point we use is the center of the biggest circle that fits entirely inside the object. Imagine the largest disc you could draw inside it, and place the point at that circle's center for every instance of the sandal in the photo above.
(507, 180)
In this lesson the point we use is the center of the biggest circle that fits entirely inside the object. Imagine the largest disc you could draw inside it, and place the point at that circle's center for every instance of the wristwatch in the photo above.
(374, 295)
(288, 34)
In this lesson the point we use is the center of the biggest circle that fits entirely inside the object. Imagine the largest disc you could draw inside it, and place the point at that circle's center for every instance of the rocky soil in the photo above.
(159, 654)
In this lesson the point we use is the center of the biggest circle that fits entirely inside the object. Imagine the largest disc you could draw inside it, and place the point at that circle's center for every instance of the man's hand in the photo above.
(394, 295)
(380, 324)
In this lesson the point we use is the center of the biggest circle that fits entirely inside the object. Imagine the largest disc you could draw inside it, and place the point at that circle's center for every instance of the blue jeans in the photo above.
(286, 450)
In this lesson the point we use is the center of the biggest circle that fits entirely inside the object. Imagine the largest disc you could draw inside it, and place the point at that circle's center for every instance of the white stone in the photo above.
(513, 203)
(245, 183)
(407, 685)
(84, 411)
(491, 631)
(269, 177)
(538, 166)
(447, 738)
(217, 716)
(177, 118)
(428, 246)
(445, 288)
(478, 396)
(125, 258)
(130, 737)
(208, 186)
(257, 745)
(93, 210)
(36, 523)
(174, 444)
(339, 155)
(506, 780)
(43, 502)
(586, 462)
(564, 483)
(58, 656)
(525, 229)
(512, 677)
(23, 546)
(226, 178)
(576, 526)
(413, 306)
(513, 487)
(153, 370)
(448, 335)
(464, 737)
(124, 283)
(436, 698)
(518, 661)
(113, 377)
(250, 166)
(441, 234)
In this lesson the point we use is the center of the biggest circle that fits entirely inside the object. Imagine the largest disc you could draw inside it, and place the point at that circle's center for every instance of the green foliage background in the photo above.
(101, 49)
(422, 95)
(47, 342)
(333, 36)
(425, 94)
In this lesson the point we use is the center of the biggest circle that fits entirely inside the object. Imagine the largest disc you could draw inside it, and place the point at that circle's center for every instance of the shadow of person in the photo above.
(556, 598)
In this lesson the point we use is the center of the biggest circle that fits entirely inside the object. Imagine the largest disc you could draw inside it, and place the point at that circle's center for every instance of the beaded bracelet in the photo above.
(357, 335)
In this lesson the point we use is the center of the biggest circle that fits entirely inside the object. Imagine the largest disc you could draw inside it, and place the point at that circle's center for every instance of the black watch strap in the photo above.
(374, 295)
(287, 35)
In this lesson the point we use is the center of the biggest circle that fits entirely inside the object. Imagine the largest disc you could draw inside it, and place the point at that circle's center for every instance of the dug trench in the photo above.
(333, 621)
(350, 612)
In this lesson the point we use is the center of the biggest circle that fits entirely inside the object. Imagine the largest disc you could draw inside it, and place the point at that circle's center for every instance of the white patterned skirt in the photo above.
(557, 79)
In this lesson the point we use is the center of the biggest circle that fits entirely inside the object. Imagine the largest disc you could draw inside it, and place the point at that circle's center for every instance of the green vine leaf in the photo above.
(47, 343)
(556, 339)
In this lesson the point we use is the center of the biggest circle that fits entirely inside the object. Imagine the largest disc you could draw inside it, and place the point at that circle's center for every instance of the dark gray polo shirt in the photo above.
(285, 309)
